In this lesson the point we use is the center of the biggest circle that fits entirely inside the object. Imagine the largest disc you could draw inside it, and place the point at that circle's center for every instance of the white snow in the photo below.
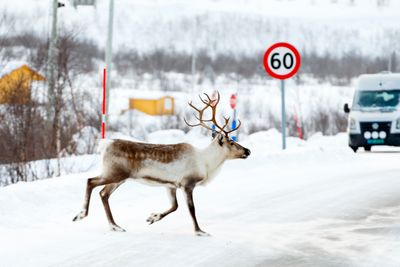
(225, 26)
(315, 204)
(7, 67)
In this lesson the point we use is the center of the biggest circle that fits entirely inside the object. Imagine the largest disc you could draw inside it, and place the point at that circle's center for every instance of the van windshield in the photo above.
(386, 99)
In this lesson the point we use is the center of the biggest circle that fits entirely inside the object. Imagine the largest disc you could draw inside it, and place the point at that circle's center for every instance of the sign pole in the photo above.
(283, 126)
(130, 121)
(103, 109)
(233, 102)
(109, 55)
(213, 98)
(234, 138)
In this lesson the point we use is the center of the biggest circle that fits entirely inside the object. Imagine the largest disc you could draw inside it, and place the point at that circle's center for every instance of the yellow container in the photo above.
(154, 107)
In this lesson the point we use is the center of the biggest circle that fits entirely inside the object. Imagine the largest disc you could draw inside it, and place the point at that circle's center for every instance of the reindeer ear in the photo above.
(220, 139)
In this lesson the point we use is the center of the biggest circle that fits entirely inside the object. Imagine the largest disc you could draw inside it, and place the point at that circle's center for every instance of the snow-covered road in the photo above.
(316, 204)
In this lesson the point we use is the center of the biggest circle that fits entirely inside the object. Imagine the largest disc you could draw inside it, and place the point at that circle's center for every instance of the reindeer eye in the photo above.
(231, 143)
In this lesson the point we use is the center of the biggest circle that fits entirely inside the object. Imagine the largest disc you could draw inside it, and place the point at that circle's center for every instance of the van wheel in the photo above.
(354, 148)
(367, 148)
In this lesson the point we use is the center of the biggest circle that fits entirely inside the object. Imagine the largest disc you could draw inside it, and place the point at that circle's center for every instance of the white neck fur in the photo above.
(214, 157)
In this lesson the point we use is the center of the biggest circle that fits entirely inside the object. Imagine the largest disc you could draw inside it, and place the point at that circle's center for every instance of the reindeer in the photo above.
(173, 166)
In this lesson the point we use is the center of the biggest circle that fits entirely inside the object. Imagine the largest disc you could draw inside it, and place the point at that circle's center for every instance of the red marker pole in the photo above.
(297, 121)
(103, 111)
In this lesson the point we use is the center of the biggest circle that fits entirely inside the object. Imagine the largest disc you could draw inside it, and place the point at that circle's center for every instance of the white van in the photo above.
(374, 118)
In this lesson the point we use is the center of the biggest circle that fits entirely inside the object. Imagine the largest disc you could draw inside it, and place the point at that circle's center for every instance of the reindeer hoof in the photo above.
(202, 233)
(154, 217)
(116, 228)
(80, 216)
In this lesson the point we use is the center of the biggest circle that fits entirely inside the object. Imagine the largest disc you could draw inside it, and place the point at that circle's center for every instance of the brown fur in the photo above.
(141, 151)
(160, 181)
(190, 182)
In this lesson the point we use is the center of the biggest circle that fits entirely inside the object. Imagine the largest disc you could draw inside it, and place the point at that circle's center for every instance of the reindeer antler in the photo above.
(213, 104)
(200, 118)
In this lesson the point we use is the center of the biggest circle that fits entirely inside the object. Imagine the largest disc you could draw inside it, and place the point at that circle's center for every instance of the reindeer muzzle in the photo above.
(246, 154)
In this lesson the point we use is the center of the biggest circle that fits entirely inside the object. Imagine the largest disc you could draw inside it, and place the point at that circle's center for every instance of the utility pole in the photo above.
(194, 55)
(52, 108)
(52, 61)
(109, 56)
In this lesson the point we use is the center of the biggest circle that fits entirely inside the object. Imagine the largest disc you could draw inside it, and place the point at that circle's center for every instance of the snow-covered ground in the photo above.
(315, 204)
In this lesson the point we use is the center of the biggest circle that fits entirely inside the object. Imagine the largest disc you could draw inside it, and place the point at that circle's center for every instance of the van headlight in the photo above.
(352, 124)
(398, 124)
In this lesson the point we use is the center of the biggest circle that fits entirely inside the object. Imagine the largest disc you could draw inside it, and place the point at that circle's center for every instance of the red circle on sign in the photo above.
(274, 74)
(233, 101)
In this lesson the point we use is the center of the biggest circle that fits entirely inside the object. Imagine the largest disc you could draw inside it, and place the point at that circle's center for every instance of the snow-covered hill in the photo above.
(316, 204)
(224, 26)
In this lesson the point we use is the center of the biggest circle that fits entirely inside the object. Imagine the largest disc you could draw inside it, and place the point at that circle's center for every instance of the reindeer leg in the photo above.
(190, 203)
(154, 217)
(105, 194)
(91, 184)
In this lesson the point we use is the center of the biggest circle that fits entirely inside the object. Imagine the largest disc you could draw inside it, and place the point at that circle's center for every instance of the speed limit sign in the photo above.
(281, 61)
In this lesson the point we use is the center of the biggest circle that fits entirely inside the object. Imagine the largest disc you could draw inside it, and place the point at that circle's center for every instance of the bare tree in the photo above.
(7, 23)
(26, 134)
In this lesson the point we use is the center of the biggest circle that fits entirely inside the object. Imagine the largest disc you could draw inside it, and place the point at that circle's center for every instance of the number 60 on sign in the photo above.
(281, 61)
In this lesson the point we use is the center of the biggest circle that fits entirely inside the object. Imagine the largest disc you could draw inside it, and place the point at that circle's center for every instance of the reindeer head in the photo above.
(221, 137)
